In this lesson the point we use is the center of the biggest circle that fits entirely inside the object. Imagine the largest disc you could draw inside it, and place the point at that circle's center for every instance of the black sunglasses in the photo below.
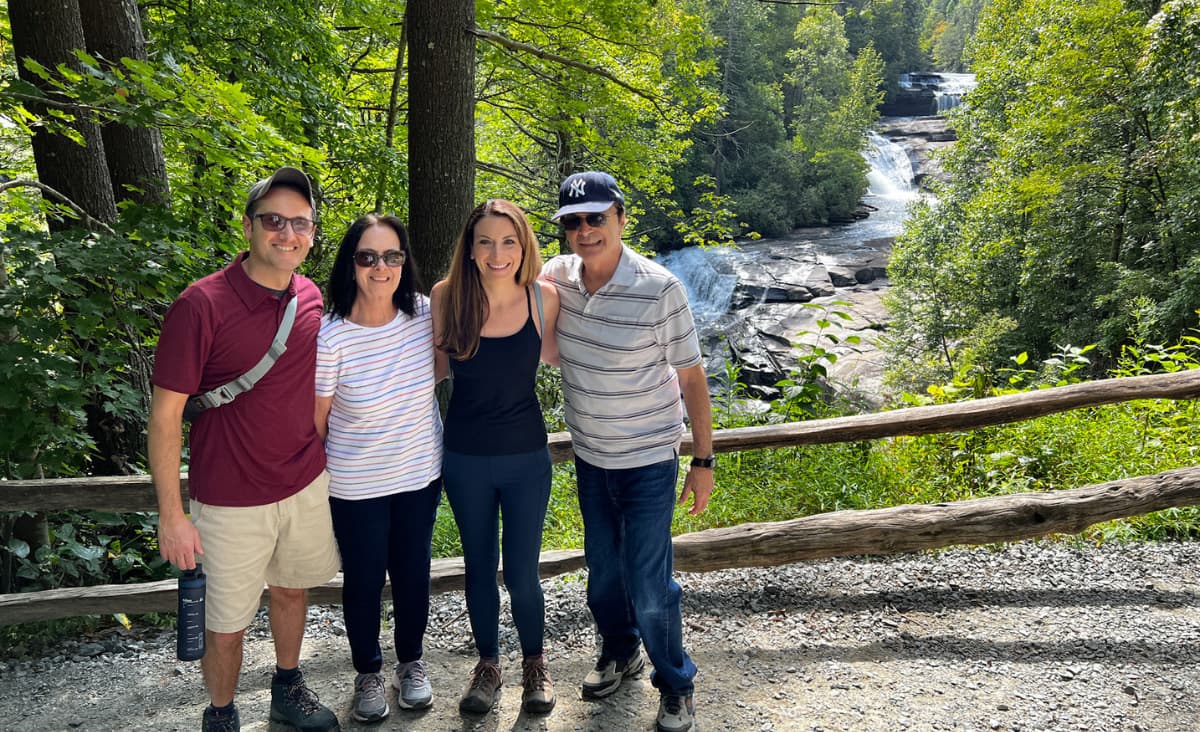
(368, 258)
(594, 220)
(275, 222)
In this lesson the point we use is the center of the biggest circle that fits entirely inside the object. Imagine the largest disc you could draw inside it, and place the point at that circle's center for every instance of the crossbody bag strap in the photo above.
(225, 393)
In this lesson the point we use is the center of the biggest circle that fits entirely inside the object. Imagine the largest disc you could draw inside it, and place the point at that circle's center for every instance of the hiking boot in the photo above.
(483, 688)
(297, 705)
(537, 690)
(608, 674)
(215, 722)
(675, 713)
(413, 690)
(370, 698)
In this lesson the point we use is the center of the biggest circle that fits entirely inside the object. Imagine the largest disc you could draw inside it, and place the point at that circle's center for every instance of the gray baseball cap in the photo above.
(293, 178)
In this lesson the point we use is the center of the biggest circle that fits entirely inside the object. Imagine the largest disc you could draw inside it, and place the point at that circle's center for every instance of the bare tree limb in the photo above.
(88, 221)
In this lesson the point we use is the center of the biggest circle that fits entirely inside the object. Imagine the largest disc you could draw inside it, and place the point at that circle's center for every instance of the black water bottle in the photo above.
(190, 639)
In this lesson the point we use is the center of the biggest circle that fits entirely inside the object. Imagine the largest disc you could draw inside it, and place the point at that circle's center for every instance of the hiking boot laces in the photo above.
(304, 698)
(536, 676)
(486, 676)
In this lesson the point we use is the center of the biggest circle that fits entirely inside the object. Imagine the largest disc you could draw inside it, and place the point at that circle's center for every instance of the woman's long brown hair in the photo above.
(464, 305)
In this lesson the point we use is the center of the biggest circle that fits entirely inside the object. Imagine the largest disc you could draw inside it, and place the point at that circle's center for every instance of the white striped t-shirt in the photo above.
(385, 433)
(619, 349)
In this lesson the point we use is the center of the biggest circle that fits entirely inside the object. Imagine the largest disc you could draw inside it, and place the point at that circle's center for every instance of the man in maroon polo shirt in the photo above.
(259, 492)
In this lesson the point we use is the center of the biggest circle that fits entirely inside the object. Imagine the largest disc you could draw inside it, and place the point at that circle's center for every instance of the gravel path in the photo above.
(1031, 636)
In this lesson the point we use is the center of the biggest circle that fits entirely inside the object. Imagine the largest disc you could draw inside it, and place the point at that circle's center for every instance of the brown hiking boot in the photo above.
(537, 695)
(483, 688)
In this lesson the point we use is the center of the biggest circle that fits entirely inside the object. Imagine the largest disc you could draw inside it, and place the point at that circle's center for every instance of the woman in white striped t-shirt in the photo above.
(376, 410)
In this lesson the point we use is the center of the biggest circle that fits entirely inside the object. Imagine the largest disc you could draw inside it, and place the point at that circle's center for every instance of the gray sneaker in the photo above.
(675, 713)
(608, 674)
(370, 698)
(483, 688)
(412, 685)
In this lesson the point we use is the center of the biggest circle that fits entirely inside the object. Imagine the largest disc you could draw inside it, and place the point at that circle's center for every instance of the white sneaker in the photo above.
(606, 677)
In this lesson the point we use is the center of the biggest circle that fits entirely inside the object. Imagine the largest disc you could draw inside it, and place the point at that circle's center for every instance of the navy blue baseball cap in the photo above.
(589, 192)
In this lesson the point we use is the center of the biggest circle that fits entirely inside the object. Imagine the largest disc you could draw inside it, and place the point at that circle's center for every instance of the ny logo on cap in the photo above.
(578, 188)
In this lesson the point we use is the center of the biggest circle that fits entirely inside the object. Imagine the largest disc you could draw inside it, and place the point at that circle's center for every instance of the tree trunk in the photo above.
(48, 31)
(113, 30)
(441, 128)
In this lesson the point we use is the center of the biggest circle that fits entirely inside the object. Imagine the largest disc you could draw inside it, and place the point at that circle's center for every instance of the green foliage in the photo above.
(90, 548)
(948, 29)
(712, 221)
(1073, 191)
(69, 292)
(636, 84)
(784, 152)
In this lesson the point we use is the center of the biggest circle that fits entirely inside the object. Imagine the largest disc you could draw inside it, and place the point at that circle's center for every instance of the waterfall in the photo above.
(709, 290)
(947, 89)
(891, 173)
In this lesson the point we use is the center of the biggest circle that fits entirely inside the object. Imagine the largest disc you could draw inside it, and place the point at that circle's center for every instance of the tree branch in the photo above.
(548, 56)
(46, 190)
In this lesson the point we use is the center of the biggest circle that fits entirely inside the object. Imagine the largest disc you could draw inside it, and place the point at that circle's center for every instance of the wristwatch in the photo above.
(704, 462)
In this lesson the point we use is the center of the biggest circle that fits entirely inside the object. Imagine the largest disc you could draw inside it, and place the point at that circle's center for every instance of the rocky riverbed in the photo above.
(1031, 636)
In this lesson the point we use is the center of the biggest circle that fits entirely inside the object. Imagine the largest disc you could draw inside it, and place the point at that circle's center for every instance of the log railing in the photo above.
(876, 531)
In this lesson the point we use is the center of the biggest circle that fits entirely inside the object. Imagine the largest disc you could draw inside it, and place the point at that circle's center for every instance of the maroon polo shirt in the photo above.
(262, 447)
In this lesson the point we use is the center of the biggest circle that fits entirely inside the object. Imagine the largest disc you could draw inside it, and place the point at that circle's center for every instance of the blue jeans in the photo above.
(627, 543)
(481, 488)
(387, 535)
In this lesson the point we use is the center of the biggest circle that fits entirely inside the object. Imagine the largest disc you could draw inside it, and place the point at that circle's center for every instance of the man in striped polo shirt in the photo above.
(628, 349)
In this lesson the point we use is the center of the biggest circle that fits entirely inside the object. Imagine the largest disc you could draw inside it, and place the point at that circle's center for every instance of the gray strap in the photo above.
(225, 393)
(537, 295)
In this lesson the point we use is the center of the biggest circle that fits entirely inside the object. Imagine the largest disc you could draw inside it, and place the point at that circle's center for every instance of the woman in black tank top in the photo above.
(494, 320)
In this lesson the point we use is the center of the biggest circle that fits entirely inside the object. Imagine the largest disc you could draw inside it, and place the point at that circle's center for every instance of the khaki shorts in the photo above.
(285, 544)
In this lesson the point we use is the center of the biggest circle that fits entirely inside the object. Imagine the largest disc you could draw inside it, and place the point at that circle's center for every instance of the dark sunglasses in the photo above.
(368, 258)
(594, 220)
(274, 222)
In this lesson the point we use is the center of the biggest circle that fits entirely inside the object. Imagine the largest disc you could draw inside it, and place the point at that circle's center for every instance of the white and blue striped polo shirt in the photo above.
(619, 349)
(385, 433)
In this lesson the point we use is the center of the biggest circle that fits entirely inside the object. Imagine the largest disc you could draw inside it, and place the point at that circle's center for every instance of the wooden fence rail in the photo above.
(877, 531)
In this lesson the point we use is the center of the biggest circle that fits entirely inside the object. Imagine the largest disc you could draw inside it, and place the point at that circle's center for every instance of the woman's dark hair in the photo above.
(343, 288)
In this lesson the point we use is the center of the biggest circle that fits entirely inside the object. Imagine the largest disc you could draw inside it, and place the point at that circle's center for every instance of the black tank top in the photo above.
(493, 407)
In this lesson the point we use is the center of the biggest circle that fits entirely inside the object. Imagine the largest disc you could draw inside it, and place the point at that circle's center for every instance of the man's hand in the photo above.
(699, 485)
(179, 541)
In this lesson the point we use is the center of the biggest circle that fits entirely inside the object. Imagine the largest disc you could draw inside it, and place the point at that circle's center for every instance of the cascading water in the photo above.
(891, 173)
(709, 290)
(890, 189)
(947, 89)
